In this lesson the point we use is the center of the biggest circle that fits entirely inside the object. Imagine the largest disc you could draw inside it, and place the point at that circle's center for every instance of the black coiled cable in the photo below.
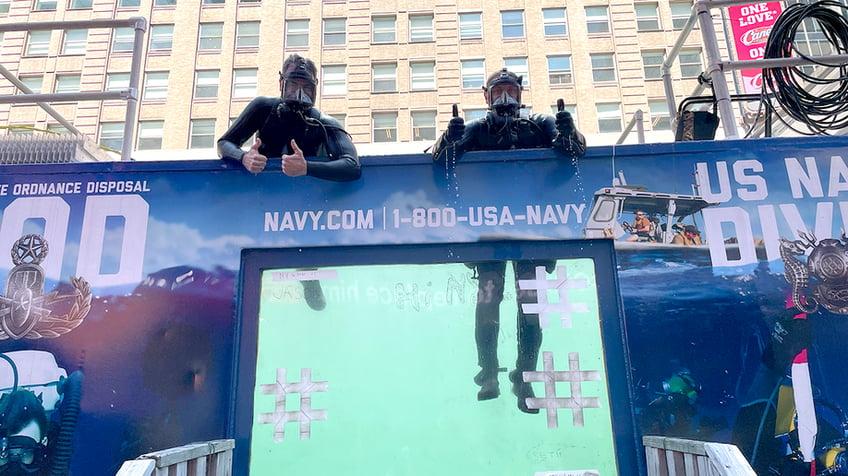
(820, 111)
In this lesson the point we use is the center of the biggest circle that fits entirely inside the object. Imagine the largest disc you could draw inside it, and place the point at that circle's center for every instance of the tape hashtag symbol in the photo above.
(304, 415)
(577, 402)
(563, 285)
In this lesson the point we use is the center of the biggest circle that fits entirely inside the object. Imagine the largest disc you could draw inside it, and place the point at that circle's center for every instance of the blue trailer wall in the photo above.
(157, 247)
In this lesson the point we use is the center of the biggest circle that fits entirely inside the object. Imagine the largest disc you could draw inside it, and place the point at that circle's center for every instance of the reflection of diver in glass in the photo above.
(36, 431)
(490, 289)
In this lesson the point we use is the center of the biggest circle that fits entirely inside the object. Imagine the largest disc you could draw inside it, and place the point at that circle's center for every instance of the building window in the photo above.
(44, 5)
(58, 129)
(112, 135)
(384, 77)
(74, 42)
(473, 74)
(512, 24)
(164, 3)
(422, 76)
(129, 3)
(660, 120)
(647, 17)
(597, 20)
(4, 6)
(340, 118)
(420, 28)
(247, 34)
(603, 67)
(297, 33)
(206, 84)
(385, 126)
(38, 43)
(213, 2)
(554, 21)
(471, 114)
(21, 129)
(123, 39)
(571, 108)
(156, 86)
(211, 36)
(202, 134)
(680, 13)
(519, 67)
(33, 83)
(690, 63)
(81, 4)
(244, 83)
(423, 125)
(334, 80)
(67, 83)
(470, 26)
(161, 37)
(335, 31)
(652, 64)
(117, 81)
(150, 134)
(559, 70)
(609, 117)
(383, 29)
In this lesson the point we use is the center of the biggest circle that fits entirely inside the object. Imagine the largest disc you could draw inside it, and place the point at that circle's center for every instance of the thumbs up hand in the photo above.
(456, 126)
(252, 160)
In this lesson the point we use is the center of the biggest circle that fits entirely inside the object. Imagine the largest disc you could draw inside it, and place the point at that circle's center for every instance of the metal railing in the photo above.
(636, 120)
(131, 94)
(716, 66)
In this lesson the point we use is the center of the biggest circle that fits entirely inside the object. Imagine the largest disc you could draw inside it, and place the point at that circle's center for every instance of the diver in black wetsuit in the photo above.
(503, 128)
(290, 127)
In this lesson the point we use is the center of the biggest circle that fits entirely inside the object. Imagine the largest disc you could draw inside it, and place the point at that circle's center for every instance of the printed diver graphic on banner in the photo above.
(25, 311)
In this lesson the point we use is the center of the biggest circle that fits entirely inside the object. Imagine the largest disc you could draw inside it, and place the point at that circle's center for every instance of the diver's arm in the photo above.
(449, 151)
(248, 122)
(572, 143)
(343, 165)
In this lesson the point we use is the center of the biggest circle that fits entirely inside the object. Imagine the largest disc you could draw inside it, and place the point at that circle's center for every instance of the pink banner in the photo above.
(751, 25)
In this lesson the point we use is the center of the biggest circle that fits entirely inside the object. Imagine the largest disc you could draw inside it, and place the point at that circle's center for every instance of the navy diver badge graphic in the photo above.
(25, 311)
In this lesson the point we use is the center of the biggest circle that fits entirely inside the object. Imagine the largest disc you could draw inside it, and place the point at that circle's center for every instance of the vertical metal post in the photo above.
(132, 101)
(722, 94)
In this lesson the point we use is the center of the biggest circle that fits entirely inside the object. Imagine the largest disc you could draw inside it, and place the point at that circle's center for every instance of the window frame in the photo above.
(200, 83)
(554, 22)
(473, 29)
(597, 19)
(418, 77)
(153, 90)
(41, 44)
(428, 30)
(565, 76)
(210, 38)
(599, 70)
(247, 85)
(430, 128)
(333, 83)
(74, 46)
(384, 77)
(162, 38)
(383, 30)
(299, 37)
(645, 23)
(389, 130)
(242, 37)
(505, 26)
(194, 136)
(328, 33)
(147, 134)
(472, 77)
